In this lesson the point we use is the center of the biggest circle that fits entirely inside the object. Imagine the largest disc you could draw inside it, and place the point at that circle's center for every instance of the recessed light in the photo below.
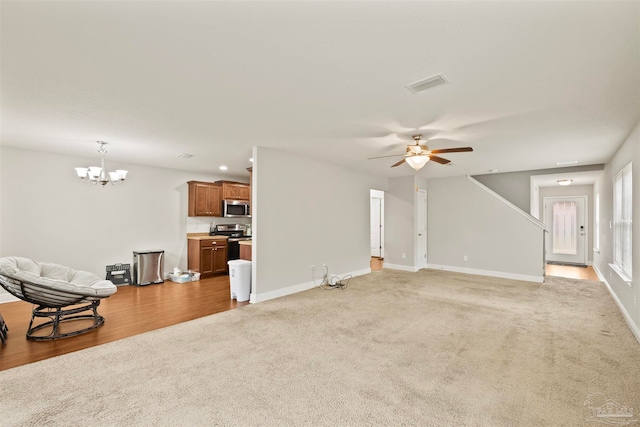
(185, 155)
(223, 168)
(251, 160)
(565, 182)
(571, 162)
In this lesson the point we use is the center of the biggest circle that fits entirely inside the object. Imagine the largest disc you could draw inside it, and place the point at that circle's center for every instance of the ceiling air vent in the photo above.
(428, 83)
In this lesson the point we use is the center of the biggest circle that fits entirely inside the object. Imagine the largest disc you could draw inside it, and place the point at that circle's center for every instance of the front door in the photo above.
(376, 227)
(566, 218)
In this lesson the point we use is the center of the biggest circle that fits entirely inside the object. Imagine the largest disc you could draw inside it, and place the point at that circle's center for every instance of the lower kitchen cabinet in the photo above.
(207, 256)
(245, 252)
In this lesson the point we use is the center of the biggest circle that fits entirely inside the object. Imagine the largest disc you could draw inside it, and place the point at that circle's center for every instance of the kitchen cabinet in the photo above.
(245, 251)
(204, 199)
(207, 256)
(235, 190)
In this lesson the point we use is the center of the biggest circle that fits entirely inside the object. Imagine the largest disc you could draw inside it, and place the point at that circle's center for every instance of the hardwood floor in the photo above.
(571, 272)
(376, 263)
(130, 311)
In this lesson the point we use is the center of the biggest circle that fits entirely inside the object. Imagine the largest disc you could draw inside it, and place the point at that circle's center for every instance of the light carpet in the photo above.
(394, 348)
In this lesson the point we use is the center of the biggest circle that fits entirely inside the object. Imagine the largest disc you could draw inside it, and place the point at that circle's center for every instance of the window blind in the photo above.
(622, 217)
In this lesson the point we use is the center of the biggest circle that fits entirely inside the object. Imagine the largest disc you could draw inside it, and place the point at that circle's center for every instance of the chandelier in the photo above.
(99, 175)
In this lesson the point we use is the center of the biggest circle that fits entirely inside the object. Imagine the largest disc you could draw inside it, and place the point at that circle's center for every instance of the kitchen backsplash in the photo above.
(202, 224)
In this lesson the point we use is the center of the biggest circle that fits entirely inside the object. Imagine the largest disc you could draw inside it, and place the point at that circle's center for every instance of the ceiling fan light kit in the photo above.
(417, 162)
(418, 155)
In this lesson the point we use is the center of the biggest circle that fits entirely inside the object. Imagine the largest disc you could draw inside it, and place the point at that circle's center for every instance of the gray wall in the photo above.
(628, 152)
(516, 186)
(307, 213)
(399, 204)
(466, 220)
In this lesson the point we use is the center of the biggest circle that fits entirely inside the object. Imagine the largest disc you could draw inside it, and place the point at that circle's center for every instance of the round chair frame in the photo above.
(57, 305)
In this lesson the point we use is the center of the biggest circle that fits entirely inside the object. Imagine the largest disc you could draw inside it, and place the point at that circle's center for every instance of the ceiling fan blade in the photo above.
(452, 150)
(381, 157)
(439, 160)
(399, 163)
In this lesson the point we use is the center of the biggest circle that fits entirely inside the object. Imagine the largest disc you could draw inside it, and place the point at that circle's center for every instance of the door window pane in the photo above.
(565, 236)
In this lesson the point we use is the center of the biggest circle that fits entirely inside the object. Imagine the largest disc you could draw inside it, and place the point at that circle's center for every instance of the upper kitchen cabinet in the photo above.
(235, 190)
(204, 199)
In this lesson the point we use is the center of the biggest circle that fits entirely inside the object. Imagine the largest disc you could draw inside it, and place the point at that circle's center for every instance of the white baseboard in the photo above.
(634, 328)
(255, 298)
(409, 268)
(501, 274)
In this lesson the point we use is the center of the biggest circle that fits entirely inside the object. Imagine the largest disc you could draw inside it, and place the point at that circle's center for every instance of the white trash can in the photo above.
(240, 279)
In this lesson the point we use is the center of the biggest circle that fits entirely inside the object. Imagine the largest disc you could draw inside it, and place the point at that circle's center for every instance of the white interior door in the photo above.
(567, 238)
(421, 229)
(376, 227)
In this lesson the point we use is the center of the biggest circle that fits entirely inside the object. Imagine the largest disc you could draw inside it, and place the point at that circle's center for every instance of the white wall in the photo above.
(623, 293)
(49, 215)
(307, 213)
(464, 220)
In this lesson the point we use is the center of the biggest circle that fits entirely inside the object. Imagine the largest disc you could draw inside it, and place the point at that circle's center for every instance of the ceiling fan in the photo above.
(418, 155)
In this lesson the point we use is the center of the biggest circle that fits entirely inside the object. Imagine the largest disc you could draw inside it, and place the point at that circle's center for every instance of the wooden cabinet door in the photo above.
(204, 199)
(220, 260)
(215, 203)
(245, 252)
(207, 255)
(236, 191)
(201, 200)
(244, 193)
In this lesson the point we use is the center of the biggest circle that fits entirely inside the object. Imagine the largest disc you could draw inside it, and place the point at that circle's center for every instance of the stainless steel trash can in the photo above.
(148, 267)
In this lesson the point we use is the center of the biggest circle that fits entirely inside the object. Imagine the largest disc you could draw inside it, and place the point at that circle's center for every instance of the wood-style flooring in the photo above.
(571, 272)
(130, 311)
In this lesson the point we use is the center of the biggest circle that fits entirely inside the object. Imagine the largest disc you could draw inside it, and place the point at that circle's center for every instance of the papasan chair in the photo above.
(60, 293)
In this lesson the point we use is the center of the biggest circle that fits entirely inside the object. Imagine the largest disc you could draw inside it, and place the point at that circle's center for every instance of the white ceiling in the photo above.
(530, 83)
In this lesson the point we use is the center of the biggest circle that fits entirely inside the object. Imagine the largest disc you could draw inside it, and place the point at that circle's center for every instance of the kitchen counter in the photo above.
(204, 236)
(245, 242)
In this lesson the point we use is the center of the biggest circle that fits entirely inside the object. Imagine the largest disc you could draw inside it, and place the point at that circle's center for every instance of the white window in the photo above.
(596, 237)
(622, 226)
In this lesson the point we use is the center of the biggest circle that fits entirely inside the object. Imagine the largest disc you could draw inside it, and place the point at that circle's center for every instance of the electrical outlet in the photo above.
(324, 265)
(404, 256)
(464, 258)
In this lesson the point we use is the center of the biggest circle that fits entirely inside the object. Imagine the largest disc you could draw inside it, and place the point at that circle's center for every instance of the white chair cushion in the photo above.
(55, 276)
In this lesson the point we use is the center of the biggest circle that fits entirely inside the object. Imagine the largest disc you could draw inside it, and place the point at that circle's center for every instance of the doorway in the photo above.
(566, 241)
(377, 223)
(421, 229)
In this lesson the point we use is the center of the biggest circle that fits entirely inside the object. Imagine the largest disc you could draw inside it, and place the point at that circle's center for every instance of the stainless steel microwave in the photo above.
(236, 208)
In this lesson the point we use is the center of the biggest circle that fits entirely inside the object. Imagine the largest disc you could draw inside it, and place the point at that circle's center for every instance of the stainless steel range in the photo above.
(236, 233)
